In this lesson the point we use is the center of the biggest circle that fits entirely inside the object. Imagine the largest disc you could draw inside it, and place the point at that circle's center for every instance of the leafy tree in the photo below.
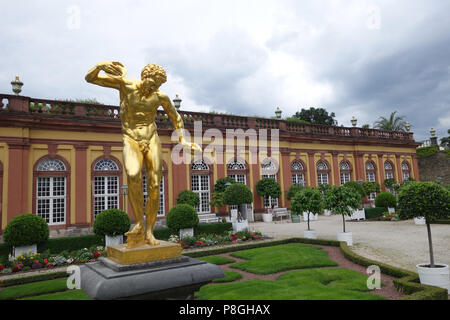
(358, 187)
(324, 188)
(370, 187)
(341, 200)
(188, 197)
(309, 200)
(219, 189)
(393, 123)
(316, 116)
(424, 199)
(238, 194)
(445, 142)
(293, 190)
(268, 187)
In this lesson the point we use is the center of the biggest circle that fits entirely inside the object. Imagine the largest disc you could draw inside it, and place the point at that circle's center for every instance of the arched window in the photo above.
(370, 176)
(200, 183)
(106, 185)
(269, 170)
(345, 172)
(298, 173)
(237, 171)
(51, 191)
(322, 173)
(405, 171)
(162, 202)
(388, 170)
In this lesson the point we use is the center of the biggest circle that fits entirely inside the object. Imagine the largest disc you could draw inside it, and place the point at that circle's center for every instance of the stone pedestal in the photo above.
(171, 276)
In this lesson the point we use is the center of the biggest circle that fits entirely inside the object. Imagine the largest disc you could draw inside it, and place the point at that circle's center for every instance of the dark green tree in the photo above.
(316, 116)
(445, 142)
(424, 199)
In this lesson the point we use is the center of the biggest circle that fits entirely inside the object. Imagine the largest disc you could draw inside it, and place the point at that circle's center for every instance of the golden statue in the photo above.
(139, 101)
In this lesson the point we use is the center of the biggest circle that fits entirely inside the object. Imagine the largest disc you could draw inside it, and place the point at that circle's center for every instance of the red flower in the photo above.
(45, 261)
(2, 267)
(37, 261)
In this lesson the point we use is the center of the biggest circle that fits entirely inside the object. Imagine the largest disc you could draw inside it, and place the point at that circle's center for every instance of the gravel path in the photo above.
(398, 243)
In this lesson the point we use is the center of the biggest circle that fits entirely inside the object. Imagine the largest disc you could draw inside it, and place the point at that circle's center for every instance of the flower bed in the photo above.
(205, 240)
(33, 260)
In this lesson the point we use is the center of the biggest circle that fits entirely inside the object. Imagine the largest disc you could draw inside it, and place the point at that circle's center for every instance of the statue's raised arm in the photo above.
(114, 74)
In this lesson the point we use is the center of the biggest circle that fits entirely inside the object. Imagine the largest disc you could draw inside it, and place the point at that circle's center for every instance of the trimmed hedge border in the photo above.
(39, 277)
(407, 282)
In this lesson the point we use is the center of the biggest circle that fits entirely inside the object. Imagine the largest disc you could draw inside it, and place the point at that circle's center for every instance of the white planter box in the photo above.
(25, 250)
(110, 241)
(312, 217)
(327, 212)
(346, 237)
(420, 221)
(187, 232)
(439, 277)
(240, 226)
(267, 217)
(234, 214)
(310, 234)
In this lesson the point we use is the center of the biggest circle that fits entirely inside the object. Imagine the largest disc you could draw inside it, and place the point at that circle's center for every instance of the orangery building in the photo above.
(63, 160)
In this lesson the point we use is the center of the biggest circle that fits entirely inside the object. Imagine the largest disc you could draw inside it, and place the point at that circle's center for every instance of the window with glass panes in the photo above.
(370, 176)
(297, 173)
(268, 167)
(51, 192)
(322, 173)
(344, 168)
(106, 187)
(200, 185)
(405, 171)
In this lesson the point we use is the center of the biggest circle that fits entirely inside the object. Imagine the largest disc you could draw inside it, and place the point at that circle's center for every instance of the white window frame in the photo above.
(109, 200)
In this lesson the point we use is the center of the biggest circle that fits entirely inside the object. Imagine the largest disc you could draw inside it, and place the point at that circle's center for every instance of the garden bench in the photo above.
(358, 215)
(208, 218)
(281, 212)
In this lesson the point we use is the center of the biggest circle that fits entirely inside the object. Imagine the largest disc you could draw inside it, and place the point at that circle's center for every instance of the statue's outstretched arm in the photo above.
(177, 121)
(115, 72)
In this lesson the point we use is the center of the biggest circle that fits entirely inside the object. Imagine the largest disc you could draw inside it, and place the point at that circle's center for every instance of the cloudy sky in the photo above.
(361, 58)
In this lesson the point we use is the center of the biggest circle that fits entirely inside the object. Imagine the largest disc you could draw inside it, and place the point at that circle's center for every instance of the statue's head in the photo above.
(153, 76)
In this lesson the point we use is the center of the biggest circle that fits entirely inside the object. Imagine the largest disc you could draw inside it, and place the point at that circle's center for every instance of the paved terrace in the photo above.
(398, 243)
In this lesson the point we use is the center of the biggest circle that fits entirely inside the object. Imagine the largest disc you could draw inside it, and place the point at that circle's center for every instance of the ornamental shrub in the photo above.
(358, 187)
(237, 194)
(293, 190)
(188, 197)
(182, 216)
(221, 184)
(268, 187)
(111, 222)
(26, 229)
(308, 199)
(341, 200)
(386, 200)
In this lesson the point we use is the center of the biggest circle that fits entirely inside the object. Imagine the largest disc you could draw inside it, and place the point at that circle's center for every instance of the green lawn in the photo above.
(33, 289)
(285, 257)
(65, 295)
(217, 260)
(230, 276)
(308, 284)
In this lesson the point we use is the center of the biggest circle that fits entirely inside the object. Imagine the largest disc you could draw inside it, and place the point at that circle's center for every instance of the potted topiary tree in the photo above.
(309, 200)
(324, 189)
(218, 191)
(295, 217)
(182, 219)
(188, 197)
(112, 224)
(240, 195)
(431, 201)
(342, 200)
(25, 232)
(268, 187)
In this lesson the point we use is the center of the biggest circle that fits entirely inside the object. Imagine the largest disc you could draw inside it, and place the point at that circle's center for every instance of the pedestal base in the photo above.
(176, 278)
(144, 253)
